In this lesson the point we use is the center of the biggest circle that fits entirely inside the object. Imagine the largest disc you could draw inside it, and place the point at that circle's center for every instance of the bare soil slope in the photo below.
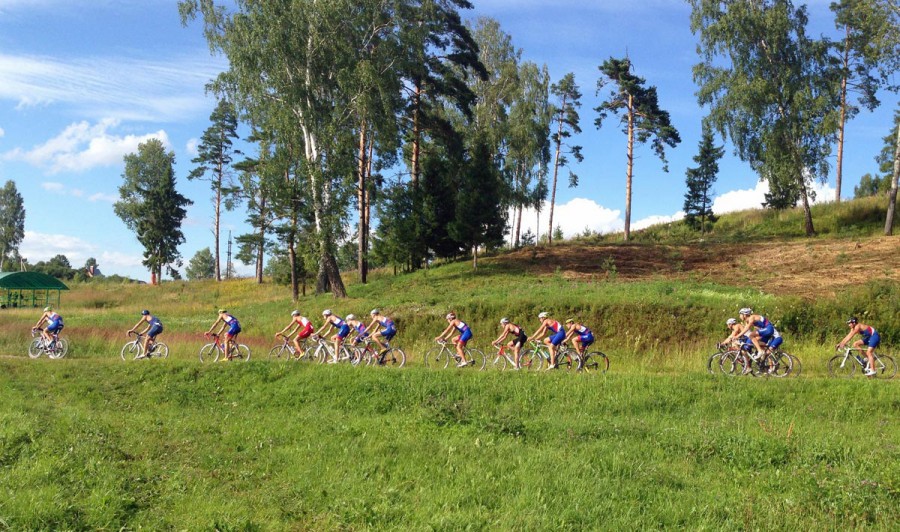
(807, 268)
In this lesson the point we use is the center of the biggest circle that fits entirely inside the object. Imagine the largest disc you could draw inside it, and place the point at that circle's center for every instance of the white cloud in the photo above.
(573, 217)
(53, 187)
(191, 146)
(655, 220)
(100, 196)
(740, 200)
(141, 89)
(2, 133)
(43, 246)
(82, 146)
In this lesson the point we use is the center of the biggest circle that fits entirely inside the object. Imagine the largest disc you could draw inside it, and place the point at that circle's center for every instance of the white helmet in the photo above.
(730, 322)
(450, 316)
(543, 315)
(326, 312)
(746, 311)
(295, 313)
(350, 317)
(504, 321)
(375, 312)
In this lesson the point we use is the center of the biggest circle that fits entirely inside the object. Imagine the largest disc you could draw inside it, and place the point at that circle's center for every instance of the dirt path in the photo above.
(810, 269)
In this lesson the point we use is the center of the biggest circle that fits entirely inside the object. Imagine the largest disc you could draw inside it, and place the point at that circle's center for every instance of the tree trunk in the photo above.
(216, 228)
(518, 226)
(892, 196)
(555, 173)
(361, 205)
(329, 277)
(807, 213)
(630, 168)
(416, 134)
(475, 257)
(261, 246)
(292, 255)
(843, 119)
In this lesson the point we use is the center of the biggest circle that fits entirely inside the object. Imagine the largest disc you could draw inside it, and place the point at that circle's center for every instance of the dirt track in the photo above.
(817, 267)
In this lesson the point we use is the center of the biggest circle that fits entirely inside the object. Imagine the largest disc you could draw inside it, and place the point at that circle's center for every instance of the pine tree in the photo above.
(698, 198)
(12, 221)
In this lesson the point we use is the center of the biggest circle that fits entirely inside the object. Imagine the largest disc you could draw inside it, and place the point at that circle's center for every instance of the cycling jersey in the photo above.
(389, 330)
(156, 327)
(764, 328)
(585, 335)
(306, 330)
(465, 333)
(54, 322)
(234, 326)
(521, 337)
(870, 337)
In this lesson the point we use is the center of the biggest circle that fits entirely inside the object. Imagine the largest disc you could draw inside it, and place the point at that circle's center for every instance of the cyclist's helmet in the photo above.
(295, 313)
(374, 312)
(145, 312)
(746, 311)
(326, 312)
(223, 311)
(48, 309)
(730, 322)
(543, 315)
(450, 316)
(350, 317)
(504, 321)
(570, 320)
(852, 321)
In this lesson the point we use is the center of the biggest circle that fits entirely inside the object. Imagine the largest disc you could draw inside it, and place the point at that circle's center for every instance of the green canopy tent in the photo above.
(15, 286)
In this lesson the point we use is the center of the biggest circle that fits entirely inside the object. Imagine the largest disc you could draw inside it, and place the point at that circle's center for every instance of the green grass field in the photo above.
(92, 442)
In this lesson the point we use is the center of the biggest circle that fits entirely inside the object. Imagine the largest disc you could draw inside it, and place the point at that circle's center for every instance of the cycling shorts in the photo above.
(872, 341)
(55, 326)
(305, 332)
(343, 331)
(465, 336)
(775, 342)
(234, 329)
(388, 334)
(521, 339)
(557, 338)
(586, 339)
(154, 330)
(766, 332)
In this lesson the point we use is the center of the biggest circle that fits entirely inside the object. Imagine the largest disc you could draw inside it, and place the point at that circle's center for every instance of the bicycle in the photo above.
(844, 365)
(213, 350)
(325, 352)
(54, 349)
(287, 351)
(441, 355)
(745, 359)
(566, 358)
(502, 359)
(714, 364)
(134, 349)
(372, 353)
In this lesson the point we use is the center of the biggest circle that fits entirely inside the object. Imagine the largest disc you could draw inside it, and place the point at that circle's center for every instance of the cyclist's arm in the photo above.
(41, 321)
(214, 326)
(321, 331)
(448, 329)
(372, 326)
(540, 332)
(848, 337)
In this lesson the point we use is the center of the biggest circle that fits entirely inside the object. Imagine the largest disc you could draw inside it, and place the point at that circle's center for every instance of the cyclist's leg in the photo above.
(552, 350)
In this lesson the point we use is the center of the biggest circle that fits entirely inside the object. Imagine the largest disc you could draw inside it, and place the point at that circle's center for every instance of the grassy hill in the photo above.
(92, 442)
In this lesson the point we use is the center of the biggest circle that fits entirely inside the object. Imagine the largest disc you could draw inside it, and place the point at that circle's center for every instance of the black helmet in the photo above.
(852, 320)
(145, 312)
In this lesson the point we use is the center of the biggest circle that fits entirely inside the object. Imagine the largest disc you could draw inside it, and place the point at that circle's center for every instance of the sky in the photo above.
(83, 82)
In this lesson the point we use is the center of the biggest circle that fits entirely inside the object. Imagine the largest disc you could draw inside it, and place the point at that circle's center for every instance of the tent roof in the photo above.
(30, 281)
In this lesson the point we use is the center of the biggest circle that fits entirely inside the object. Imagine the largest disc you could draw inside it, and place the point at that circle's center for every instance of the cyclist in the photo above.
(764, 332)
(387, 328)
(465, 334)
(153, 329)
(552, 342)
(580, 335)
(234, 328)
(302, 326)
(334, 321)
(517, 343)
(54, 325)
(870, 339)
(734, 327)
(358, 327)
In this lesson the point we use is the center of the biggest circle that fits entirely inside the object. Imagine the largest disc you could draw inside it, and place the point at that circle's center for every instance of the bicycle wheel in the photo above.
(596, 362)
(714, 363)
(498, 362)
(159, 350)
(131, 350)
(241, 352)
(566, 361)
(35, 348)
(394, 358)
(209, 353)
(841, 366)
(885, 367)
(781, 364)
(796, 366)
(534, 358)
(279, 352)
(323, 353)
(59, 350)
(477, 359)
(436, 357)
(526, 361)
(359, 355)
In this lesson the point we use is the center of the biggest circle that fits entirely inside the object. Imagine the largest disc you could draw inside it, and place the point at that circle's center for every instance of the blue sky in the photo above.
(83, 82)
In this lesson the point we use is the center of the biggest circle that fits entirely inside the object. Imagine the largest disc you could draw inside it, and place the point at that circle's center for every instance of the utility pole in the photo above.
(228, 266)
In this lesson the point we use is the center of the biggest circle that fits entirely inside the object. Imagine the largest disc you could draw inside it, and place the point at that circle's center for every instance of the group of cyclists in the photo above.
(757, 330)
(751, 327)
